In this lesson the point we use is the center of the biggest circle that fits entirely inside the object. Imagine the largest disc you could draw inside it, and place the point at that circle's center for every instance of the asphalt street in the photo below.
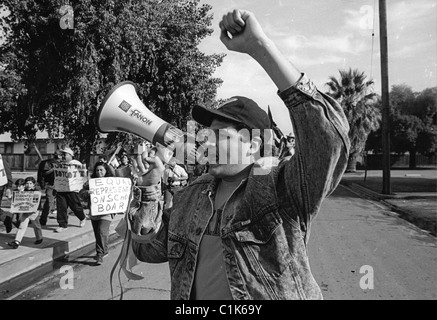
(358, 250)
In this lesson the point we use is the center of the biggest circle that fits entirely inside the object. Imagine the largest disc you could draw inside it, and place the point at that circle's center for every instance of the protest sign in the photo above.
(25, 202)
(69, 178)
(109, 195)
(3, 177)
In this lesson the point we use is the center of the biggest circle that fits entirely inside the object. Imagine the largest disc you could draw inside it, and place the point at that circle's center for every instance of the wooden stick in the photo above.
(37, 151)
(115, 153)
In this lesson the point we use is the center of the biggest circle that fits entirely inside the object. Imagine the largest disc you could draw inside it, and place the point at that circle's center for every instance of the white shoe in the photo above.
(60, 229)
(82, 223)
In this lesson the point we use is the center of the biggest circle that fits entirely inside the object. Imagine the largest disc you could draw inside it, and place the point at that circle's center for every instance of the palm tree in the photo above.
(355, 94)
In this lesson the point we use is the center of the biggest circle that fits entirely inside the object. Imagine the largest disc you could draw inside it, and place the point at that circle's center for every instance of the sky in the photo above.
(322, 37)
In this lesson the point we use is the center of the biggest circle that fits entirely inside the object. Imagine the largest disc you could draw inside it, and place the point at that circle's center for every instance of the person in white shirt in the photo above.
(68, 199)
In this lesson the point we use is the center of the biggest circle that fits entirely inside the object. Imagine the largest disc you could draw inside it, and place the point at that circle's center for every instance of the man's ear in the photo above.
(255, 145)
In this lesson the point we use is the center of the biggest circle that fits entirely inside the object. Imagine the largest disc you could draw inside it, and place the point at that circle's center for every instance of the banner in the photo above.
(25, 202)
(3, 177)
(69, 178)
(109, 195)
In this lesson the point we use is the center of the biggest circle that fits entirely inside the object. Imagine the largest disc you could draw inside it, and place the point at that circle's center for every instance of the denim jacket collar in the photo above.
(259, 194)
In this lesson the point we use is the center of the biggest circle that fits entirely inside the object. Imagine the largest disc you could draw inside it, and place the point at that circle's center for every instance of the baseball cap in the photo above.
(239, 109)
(68, 150)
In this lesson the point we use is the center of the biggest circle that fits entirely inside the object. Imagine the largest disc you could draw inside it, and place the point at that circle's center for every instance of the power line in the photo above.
(373, 40)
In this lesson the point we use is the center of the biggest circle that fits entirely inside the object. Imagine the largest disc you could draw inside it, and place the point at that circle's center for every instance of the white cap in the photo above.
(68, 150)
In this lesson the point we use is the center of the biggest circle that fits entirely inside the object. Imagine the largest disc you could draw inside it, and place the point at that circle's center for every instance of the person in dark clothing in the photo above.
(241, 231)
(46, 180)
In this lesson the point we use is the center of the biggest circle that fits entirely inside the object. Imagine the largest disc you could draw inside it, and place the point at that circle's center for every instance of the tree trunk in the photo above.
(352, 163)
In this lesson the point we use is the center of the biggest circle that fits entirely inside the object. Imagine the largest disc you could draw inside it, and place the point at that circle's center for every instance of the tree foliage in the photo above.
(355, 95)
(412, 123)
(52, 78)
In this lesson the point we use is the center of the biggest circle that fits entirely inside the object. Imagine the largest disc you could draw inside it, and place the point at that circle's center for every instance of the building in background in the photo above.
(21, 158)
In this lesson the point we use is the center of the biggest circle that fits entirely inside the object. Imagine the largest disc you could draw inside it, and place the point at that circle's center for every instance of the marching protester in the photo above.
(241, 232)
(101, 223)
(103, 158)
(5, 189)
(125, 161)
(71, 199)
(46, 180)
(25, 218)
(20, 185)
(125, 167)
(175, 178)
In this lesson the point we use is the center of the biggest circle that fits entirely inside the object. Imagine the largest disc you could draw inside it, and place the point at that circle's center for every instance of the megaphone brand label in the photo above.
(124, 106)
(140, 116)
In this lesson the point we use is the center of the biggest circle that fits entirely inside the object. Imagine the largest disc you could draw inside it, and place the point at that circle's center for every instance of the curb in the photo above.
(408, 215)
(28, 267)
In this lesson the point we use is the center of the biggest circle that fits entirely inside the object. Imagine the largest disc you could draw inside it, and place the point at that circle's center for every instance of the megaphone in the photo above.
(123, 111)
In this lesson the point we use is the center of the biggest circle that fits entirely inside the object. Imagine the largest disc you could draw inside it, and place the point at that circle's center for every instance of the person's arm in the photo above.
(48, 168)
(319, 123)
(152, 248)
(148, 223)
(241, 32)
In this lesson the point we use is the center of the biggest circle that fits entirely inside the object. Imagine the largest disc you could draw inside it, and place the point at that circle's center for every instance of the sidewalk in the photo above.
(30, 261)
(413, 193)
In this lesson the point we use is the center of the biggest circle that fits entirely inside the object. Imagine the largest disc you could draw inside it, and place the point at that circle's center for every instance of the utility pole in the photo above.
(386, 188)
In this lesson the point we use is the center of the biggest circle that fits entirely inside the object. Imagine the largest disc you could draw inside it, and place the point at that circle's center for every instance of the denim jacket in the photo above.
(265, 224)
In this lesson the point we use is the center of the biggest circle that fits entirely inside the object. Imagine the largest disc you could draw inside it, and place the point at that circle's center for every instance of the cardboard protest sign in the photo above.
(69, 178)
(25, 202)
(109, 195)
(3, 177)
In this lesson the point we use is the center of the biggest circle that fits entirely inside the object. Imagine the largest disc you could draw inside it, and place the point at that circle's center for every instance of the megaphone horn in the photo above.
(123, 111)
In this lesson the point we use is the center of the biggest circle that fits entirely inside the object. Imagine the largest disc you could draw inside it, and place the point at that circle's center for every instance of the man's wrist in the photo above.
(259, 46)
(150, 193)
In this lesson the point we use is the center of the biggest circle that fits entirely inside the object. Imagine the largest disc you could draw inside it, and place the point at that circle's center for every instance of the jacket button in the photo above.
(189, 266)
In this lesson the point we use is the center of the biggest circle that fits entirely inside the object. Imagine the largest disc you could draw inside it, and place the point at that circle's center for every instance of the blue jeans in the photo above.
(101, 233)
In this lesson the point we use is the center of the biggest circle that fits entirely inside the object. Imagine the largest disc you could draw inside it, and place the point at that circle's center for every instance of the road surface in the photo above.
(358, 250)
